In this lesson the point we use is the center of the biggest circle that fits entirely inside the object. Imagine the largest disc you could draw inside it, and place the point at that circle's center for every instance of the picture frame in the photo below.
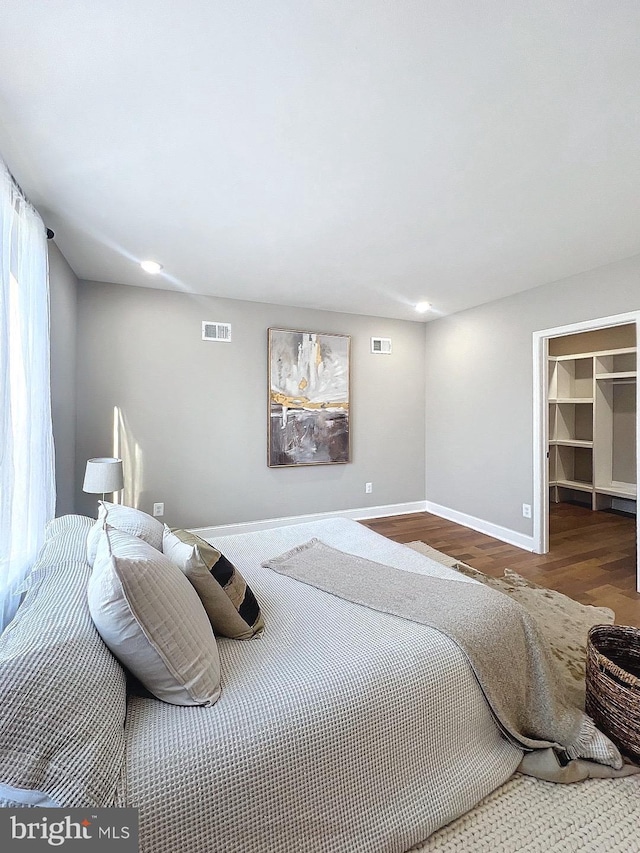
(309, 379)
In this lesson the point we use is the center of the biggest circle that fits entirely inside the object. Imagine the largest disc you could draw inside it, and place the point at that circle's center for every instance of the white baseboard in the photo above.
(496, 531)
(624, 505)
(270, 523)
(504, 534)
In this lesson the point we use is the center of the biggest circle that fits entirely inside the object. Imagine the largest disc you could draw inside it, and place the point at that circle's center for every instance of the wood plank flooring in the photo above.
(592, 556)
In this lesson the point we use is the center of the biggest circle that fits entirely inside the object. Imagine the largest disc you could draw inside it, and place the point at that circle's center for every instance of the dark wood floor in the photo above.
(592, 556)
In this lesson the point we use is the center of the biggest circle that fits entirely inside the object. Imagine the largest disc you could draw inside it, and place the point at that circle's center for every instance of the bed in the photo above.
(339, 729)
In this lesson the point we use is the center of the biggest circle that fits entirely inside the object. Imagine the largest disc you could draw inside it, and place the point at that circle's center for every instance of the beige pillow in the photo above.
(227, 598)
(126, 518)
(150, 617)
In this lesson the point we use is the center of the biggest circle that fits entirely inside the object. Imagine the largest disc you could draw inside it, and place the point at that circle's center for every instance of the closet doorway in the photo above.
(586, 423)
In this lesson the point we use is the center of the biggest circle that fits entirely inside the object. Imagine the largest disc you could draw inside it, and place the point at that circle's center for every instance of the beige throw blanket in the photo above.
(509, 657)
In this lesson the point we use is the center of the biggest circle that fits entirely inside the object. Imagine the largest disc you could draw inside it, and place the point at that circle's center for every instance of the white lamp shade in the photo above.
(102, 475)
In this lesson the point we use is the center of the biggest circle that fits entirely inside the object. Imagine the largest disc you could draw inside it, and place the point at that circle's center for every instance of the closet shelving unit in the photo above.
(588, 460)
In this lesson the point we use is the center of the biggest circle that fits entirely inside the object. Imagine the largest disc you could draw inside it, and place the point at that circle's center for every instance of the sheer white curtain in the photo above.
(27, 479)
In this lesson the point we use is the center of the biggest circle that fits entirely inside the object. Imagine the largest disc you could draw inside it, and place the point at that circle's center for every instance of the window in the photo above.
(27, 482)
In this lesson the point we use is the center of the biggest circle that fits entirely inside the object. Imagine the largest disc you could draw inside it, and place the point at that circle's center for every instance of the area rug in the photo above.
(526, 815)
(563, 621)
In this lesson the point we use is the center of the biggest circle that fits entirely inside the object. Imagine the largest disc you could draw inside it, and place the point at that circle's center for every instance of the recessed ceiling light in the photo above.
(152, 267)
(422, 307)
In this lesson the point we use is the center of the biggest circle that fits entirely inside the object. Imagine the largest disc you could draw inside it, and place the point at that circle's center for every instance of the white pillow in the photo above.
(128, 519)
(151, 618)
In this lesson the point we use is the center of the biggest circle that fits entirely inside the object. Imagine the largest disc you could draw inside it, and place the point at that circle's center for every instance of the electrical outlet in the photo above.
(526, 510)
(368, 488)
(158, 509)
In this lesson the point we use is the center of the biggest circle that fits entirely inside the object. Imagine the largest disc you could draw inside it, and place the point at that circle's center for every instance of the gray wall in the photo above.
(479, 375)
(624, 433)
(63, 286)
(192, 415)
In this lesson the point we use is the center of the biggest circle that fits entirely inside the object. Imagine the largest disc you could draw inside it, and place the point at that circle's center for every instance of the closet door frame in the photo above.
(541, 424)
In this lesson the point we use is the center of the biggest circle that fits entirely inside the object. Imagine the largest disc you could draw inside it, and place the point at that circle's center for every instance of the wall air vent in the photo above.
(381, 346)
(216, 331)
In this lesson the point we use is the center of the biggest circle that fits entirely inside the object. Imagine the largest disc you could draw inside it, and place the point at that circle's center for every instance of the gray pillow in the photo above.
(62, 693)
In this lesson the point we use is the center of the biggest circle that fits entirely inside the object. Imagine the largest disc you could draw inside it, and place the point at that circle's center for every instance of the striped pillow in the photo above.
(230, 604)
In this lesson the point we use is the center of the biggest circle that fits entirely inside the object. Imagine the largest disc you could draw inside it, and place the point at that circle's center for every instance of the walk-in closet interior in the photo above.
(592, 419)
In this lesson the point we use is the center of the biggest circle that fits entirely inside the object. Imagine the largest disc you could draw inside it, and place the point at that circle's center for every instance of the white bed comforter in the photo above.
(341, 729)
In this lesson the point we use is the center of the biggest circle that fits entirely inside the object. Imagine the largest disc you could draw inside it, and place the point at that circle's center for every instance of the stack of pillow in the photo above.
(158, 597)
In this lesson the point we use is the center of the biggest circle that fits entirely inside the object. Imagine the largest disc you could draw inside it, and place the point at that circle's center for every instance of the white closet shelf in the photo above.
(621, 374)
(578, 485)
(618, 490)
(571, 399)
(571, 442)
(578, 355)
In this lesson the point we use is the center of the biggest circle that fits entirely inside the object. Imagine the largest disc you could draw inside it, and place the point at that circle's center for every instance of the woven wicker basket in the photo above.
(613, 684)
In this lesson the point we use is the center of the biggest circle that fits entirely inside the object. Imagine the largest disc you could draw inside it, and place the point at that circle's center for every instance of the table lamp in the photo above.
(103, 475)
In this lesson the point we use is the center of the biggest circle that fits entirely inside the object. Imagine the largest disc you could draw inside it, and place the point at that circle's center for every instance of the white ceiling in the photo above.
(354, 155)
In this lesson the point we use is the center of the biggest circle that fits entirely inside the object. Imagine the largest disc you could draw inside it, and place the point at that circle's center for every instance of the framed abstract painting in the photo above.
(308, 413)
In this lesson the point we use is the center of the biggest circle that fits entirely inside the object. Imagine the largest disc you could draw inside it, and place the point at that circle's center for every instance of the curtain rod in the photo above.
(50, 234)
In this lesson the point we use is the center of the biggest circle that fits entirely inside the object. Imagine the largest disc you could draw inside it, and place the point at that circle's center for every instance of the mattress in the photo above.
(340, 729)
